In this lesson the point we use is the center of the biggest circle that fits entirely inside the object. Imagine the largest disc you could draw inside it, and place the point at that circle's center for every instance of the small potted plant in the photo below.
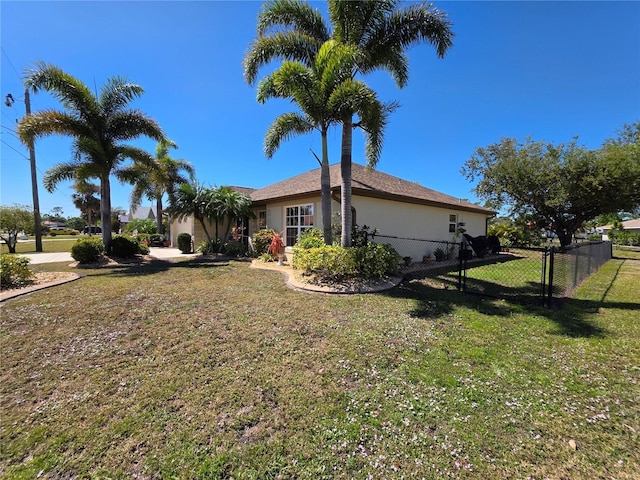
(407, 261)
(426, 258)
(440, 254)
(276, 247)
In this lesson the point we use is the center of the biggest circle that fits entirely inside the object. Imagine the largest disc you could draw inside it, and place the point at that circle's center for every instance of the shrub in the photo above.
(261, 240)
(311, 238)
(375, 259)
(234, 249)
(124, 246)
(14, 270)
(334, 262)
(439, 254)
(87, 250)
(184, 242)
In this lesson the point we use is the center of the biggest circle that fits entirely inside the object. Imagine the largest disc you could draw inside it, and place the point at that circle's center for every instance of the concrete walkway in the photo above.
(156, 252)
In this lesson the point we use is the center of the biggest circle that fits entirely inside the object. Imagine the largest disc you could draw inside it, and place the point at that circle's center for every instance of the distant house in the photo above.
(138, 213)
(629, 226)
(395, 207)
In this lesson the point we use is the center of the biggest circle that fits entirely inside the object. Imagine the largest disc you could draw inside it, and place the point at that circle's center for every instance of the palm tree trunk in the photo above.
(105, 211)
(159, 214)
(345, 170)
(325, 191)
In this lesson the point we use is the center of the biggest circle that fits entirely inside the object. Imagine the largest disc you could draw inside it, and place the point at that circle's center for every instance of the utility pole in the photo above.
(34, 181)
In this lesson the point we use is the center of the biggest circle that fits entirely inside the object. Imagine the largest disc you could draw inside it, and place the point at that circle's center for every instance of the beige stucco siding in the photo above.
(413, 220)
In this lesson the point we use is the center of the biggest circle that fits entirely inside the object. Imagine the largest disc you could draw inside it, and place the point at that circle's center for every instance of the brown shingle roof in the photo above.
(365, 182)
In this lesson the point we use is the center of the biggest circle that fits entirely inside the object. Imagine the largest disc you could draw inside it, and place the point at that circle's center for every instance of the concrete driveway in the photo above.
(156, 252)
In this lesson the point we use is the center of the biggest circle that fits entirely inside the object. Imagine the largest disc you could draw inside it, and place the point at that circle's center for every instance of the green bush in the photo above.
(14, 270)
(234, 249)
(262, 240)
(140, 225)
(311, 238)
(184, 242)
(334, 262)
(124, 246)
(87, 250)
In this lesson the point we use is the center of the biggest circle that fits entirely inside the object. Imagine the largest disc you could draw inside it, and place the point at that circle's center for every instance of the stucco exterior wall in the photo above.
(414, 221)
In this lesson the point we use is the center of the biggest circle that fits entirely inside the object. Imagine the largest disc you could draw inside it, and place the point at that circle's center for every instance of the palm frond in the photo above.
(283, 128)
(58, 173)
(292, 14)
(116, 94)
(50, 122)
(132, 124)
(70, 91)
(284, 45)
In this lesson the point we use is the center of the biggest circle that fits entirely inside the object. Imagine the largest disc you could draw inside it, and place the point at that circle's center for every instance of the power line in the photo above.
(15, 150)
(11, 63)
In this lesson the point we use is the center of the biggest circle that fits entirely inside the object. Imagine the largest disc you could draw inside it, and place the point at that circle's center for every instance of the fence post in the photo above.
(543, 276)
(550, 285)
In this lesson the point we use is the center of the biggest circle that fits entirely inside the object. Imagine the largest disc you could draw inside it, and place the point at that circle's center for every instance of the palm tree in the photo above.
(154, 183)
(318, 91)
(192, 199)
(380, 30)
(98, 126)
(85, 200)
(229, 204)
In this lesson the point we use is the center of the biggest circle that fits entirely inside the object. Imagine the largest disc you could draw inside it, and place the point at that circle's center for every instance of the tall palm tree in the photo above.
(98, 126)
(318, 91)
(84, 199)
(381, 30)
(163, 178)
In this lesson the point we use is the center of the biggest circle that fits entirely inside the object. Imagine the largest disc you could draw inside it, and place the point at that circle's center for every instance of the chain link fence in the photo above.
(568, 267)
(527, 275)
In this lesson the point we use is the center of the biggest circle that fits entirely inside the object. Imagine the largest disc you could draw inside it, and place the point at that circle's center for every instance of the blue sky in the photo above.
(549, 70)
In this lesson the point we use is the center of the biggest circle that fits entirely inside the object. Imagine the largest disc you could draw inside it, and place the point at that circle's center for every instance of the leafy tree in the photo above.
(380, 30)
(558, 186)
(98, 126)
(162, 178)
(13, 220)
(85, 199)
(76, 223)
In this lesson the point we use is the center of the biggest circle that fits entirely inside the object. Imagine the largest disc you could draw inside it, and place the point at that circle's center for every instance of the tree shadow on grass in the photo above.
(435, 299)
(152, 266)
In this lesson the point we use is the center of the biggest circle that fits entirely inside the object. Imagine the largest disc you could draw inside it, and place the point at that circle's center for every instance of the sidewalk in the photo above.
(156, 252)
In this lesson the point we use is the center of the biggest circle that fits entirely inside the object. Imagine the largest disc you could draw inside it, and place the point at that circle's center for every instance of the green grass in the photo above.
(61, 243)
(210, 370)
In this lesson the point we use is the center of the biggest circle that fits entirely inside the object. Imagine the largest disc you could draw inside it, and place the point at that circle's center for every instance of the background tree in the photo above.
(14, 220)
(559, 187)
(85, 200)
(160, 179)
(380, 30)
(98, 126)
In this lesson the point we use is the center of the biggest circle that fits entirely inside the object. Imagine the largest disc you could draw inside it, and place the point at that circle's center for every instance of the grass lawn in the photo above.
(61, 243)
(205, 370)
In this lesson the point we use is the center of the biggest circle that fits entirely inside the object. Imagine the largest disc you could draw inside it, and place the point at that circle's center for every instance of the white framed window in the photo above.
(453, 223)
(297, 219)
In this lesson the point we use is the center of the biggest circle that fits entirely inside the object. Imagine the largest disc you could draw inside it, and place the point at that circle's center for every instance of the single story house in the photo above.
(393, 206)
(629, 226)
(137, 213)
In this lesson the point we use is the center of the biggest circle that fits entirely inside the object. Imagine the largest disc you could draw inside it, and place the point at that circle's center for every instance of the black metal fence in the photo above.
(522, 274)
